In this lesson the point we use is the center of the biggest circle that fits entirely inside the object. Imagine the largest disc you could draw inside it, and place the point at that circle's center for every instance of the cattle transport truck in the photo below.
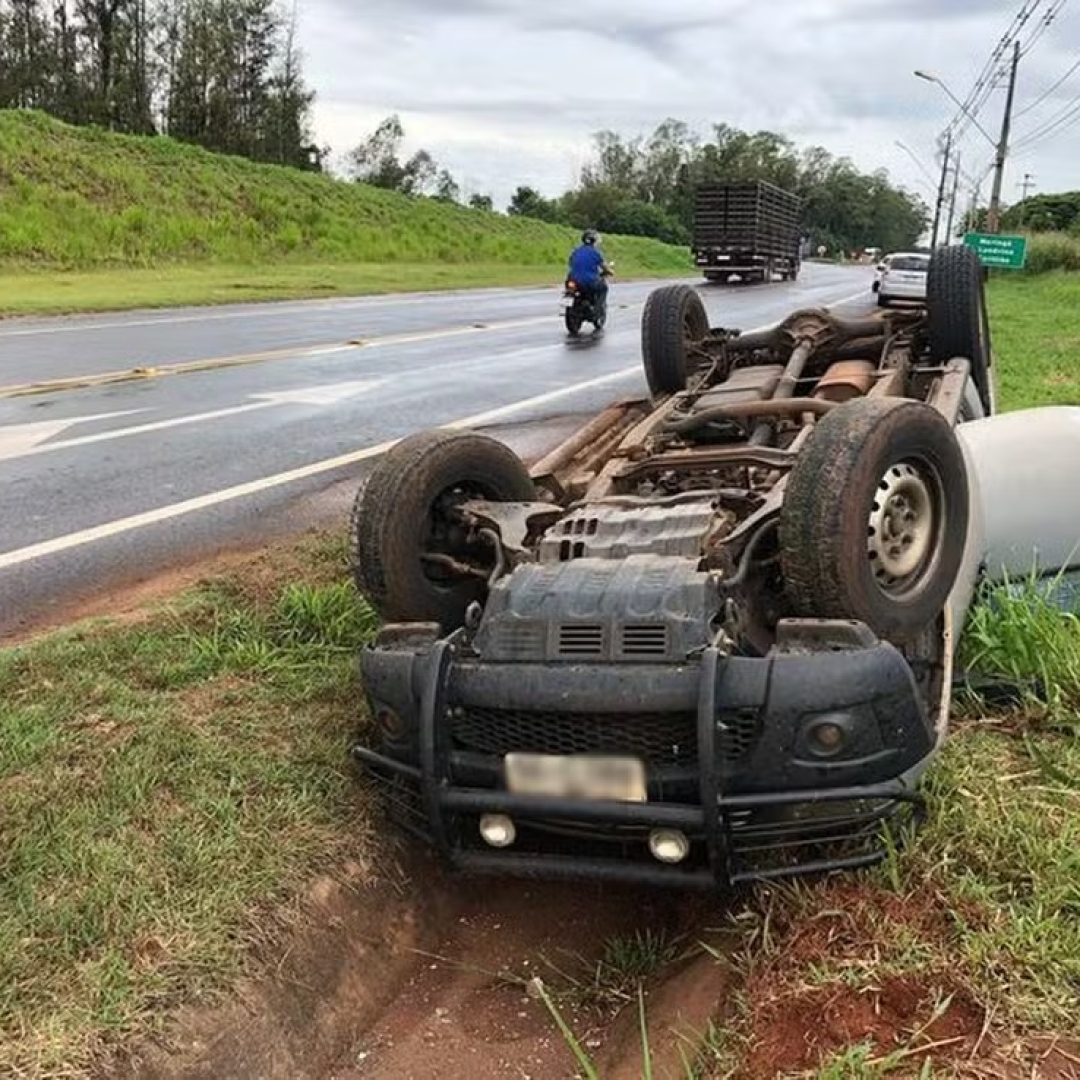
(751, 231)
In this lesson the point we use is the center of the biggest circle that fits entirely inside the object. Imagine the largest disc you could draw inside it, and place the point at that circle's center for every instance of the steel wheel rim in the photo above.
(904, 527)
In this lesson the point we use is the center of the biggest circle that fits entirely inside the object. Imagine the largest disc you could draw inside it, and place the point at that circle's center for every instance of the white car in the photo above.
(880, 269)
(904, 278)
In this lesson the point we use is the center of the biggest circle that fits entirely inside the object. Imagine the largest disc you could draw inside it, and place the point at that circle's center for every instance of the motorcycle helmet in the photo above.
(590, 236)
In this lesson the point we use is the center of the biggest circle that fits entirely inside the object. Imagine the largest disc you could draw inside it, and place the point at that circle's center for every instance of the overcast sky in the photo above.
(505, 92)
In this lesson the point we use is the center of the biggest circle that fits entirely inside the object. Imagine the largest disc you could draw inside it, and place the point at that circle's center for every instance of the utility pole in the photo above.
(952, 201)
(941, 188)
(1026, 186)
(994, 213)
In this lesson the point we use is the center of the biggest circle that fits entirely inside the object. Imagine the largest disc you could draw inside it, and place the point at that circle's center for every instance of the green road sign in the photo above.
(1007, 251)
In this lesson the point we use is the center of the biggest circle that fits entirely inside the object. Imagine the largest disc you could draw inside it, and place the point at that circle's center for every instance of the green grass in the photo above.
(77, 201)
(1036, 330)
(1052, 251)
(163, 784)
(57, 292)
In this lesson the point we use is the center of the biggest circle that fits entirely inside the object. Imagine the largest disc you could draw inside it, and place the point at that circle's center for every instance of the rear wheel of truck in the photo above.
(674, 322)
(410, 556)
(959, 322)
(875, 517)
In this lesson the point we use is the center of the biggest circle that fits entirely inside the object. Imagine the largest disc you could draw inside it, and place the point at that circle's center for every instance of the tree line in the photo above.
(644, 186)
(225, 74)
(1059, 212)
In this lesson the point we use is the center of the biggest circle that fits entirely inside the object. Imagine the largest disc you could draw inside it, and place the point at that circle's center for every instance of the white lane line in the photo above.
(315, 395)
(216, 498)
(136, 429)
(860, 295)
(19, 439)
(60, 544)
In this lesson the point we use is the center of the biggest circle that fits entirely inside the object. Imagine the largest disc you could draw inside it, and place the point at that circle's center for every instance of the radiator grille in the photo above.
(656, 738)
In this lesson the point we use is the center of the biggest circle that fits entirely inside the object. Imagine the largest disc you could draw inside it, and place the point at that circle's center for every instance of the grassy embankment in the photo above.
(166, 781)
(93, 220)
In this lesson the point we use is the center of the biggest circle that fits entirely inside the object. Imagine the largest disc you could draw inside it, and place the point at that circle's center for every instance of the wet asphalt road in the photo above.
(107, 485)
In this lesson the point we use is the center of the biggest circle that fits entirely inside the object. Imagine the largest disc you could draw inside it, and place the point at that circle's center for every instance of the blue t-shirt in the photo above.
(585, 263)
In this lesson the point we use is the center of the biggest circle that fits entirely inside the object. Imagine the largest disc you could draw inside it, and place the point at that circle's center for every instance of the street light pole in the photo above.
(1026, 186)
(930, 77)
(941, 189)
(952, 201)
(918, 161)
(993, 215)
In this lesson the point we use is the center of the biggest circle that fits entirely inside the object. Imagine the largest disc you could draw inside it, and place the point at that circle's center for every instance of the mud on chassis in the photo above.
(703, 642)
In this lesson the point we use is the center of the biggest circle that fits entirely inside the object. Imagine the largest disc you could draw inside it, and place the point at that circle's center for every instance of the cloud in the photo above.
(510, 91)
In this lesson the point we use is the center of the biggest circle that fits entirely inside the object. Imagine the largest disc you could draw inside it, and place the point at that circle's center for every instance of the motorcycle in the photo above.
(581, 305)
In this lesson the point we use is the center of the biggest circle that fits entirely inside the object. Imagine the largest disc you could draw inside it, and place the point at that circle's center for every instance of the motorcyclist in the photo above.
(588, 268)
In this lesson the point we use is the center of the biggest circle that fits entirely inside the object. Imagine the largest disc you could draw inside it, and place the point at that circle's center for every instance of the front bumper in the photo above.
(740, 779)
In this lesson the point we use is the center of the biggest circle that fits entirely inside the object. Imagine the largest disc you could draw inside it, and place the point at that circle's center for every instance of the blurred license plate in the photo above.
(612, 779)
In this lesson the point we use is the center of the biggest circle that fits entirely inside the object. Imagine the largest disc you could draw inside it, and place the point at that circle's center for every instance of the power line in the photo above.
(1042, 26)
(992, 69)
(1042, 97)
(1066, 122)
(1063, 117)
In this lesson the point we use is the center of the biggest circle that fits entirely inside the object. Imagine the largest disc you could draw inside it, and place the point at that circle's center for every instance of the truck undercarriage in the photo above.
(705, 641)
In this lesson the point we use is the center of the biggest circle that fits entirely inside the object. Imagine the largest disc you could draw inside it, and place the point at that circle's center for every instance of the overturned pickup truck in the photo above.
(708, 640)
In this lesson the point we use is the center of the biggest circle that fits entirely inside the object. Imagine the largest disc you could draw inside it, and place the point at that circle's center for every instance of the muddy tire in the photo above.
(875, 517)
(673, 320)
(959, 322)
(399, 516)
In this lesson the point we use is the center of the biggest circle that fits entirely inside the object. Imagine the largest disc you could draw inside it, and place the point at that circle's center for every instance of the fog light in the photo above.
(669, 845)
(827, 738)
(497, 830)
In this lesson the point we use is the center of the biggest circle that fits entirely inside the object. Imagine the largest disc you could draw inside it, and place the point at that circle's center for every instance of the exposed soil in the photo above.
(467, 1010)
(352, 945)
(794, 1033)
(423, 975)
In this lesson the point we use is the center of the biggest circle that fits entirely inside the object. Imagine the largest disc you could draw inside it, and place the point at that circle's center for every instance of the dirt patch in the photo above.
(795, 1032)
(352, 947)
(852, 917)
(424, 975)
(678, 1013)
(1038, 1059)
(467, 1011)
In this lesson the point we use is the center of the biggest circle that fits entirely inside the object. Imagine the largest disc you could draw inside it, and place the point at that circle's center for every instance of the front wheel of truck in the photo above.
(411, 555)
(875, 517)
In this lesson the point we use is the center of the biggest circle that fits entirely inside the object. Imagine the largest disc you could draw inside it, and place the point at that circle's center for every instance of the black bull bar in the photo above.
(739, 836)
